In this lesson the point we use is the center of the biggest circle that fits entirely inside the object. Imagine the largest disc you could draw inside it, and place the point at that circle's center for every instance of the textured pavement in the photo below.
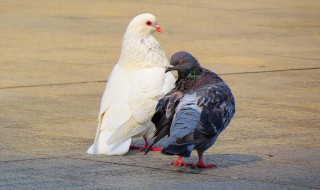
(55, 58)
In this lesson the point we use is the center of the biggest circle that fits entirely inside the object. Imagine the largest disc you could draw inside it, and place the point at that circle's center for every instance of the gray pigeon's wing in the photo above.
(163, 116)
(218, 109)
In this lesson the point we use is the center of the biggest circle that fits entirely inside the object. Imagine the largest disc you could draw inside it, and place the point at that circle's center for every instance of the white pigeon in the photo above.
(134, 87)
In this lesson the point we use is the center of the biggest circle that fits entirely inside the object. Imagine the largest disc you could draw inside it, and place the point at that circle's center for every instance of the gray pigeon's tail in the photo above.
(173, 148)
(182, 130)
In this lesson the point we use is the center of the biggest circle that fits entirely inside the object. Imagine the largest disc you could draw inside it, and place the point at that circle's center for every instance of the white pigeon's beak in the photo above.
(158, 28)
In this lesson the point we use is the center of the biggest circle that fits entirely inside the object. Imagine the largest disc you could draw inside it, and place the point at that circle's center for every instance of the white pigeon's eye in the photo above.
(149, 23)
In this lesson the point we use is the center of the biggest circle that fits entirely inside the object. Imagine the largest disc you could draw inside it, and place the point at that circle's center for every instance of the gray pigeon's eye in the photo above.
(181, 62)
(149, 23)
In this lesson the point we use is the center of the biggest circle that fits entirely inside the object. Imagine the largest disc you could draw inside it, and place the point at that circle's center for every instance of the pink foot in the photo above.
(179, 162)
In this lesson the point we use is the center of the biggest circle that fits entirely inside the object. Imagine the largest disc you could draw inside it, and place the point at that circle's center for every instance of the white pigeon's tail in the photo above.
(101, 146)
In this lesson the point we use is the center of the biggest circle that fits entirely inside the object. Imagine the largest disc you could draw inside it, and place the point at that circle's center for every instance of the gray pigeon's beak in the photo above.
(170, 68)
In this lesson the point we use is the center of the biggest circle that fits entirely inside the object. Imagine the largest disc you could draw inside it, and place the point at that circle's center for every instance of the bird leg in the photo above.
(179, 162)
(145, 146)
(201, 164)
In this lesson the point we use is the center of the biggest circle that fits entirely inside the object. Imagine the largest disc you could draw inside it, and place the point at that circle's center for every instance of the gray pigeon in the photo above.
(194, 113)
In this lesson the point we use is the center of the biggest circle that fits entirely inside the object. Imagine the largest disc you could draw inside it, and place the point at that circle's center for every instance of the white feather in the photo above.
(134, 87)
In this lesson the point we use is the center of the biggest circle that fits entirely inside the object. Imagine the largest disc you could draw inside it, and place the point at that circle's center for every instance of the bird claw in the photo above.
(177, 163)
(197, 165)
(180, 162)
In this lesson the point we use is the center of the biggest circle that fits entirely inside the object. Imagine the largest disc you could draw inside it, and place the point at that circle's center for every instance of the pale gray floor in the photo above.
(55, 57)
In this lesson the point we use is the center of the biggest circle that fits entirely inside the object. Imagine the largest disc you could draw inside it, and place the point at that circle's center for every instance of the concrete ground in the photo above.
(55, 58)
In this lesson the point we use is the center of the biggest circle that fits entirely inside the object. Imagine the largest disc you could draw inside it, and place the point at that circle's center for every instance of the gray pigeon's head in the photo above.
(184, 63)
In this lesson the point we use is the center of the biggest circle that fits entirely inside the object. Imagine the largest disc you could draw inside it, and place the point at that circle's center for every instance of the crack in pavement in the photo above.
(52, 84)
(271, 71)
(289, 56)
(98, 81)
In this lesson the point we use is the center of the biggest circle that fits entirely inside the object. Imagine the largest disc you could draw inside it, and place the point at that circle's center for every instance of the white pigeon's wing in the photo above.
(116, 78)
(127, 130)
(117, 114)
(146, 89)
(114, 99)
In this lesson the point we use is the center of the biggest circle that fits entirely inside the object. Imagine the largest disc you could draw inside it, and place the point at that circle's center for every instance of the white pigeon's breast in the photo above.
(150, 80)
(144, 92)
(142, 52)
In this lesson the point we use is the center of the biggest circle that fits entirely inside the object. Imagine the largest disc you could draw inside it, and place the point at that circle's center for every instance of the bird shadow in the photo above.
(220, 160)
(134, 152)
(230, 160)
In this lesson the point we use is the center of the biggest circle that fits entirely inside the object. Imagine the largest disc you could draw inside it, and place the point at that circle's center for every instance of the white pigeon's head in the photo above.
(143, 24)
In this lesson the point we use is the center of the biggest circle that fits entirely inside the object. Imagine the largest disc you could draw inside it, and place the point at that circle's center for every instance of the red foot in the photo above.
(202, 165)
(179, 162)
(155, 149)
